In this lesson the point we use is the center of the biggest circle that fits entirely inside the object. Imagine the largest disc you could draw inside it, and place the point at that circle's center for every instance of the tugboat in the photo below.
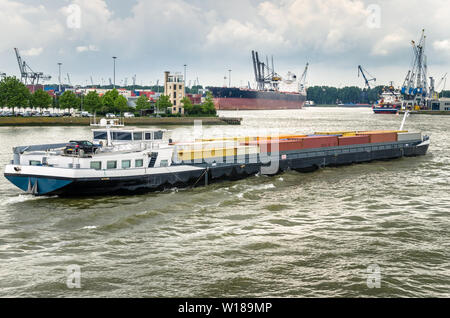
(124, 161)
(390, 101)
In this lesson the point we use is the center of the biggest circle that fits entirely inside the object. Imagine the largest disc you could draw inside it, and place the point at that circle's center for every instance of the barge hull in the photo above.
(305, 161)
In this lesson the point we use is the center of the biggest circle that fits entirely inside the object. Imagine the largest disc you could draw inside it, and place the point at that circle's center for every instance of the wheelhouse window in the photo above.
(97, 165)
(137, 136)
(139, 163)
(158, 135)
(148, 136)
(102, 135)
(126, 164)
(35, 163)
(164, 163)
(111, 165)
(118, 135)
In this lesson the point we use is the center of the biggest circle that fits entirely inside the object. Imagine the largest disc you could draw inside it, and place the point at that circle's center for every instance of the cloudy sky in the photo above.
(213, 36)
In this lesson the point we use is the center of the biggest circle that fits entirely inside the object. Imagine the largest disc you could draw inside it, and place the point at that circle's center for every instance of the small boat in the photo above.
(390, 101)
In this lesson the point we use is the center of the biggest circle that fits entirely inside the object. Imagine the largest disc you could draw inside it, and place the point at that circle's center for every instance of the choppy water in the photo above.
(292, 235)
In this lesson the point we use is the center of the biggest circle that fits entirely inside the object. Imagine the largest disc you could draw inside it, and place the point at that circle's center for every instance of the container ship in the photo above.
(128, 161)
(273, 91)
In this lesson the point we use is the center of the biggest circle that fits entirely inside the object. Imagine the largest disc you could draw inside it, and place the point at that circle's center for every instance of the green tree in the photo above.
(69, 100)
(187, 104)
(142, 103)
(13, 93)
(164, 103)
(108, 101)
(208, 106)
(120, 104)
(40, 99)
(92, 102)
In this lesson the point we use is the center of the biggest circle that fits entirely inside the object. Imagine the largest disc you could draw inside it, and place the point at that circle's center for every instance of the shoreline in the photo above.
(138, 121)
(427, 112)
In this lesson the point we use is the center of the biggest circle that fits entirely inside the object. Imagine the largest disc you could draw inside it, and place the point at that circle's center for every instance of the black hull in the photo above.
(236, 171)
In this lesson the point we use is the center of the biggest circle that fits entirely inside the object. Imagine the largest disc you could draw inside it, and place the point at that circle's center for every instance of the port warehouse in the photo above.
(251, 147)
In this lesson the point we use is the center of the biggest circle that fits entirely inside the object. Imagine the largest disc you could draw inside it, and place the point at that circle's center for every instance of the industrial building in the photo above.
(174, 88)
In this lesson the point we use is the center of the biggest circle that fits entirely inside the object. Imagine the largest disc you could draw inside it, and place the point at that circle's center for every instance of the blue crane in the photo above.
(361, 71)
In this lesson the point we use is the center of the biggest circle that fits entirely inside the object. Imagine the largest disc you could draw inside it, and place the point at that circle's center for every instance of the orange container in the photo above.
(320, 142)
(354, 140)
(282, 145)
(379, 137)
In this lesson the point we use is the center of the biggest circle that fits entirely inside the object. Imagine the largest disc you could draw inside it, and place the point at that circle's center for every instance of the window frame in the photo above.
(94, 162)
(110, 161)
(124, 161)
(139, 160)
(138, 133)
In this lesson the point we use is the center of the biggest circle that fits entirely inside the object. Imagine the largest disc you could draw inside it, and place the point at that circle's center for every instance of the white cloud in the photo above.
(443, 45)
(212, 36)
(390, 43)
(242, 35)
(88, 48)
(32, 52)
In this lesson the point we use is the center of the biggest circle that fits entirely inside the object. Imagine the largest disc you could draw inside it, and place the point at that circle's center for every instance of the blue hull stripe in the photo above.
(44, 185)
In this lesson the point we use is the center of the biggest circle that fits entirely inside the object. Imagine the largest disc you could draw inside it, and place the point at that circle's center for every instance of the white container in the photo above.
(409, 136)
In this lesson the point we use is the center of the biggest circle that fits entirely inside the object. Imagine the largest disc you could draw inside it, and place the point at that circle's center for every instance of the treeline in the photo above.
(350, 94)
(14, 94)
(158, 89)
(445, 94)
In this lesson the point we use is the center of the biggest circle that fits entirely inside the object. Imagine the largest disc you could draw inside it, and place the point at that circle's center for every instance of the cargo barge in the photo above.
(124, 161)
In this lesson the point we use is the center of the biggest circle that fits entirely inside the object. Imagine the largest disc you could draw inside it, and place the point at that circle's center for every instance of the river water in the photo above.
(319, 234)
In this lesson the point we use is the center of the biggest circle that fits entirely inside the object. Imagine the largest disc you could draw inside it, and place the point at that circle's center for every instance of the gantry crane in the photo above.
(264, 75)
(416, 80)
(27, 75)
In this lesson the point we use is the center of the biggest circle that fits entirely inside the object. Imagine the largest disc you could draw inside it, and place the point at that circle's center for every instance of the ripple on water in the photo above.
(292, 235)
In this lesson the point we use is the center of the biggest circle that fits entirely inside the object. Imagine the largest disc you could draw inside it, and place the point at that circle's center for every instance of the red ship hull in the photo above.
(255, 104)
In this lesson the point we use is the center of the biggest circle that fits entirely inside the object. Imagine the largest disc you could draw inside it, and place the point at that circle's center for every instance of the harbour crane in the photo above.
(110, 82)
(92, 83)
(126, 82)
(263, 74)
(302, 82)
(416, 80)
(27, 74)
(68, 79)
(363, 72)
(442, 81)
